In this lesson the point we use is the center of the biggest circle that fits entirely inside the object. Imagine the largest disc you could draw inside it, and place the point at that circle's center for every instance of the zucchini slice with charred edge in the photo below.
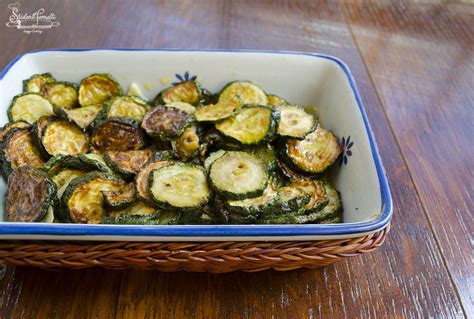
(186, 91)
(82, 116)
(187, 145)
(128, 163)
(36, 82)
(61, 94)
(64, 177)
(316, 190)
(183, 106)
(294, 121)
(118, 134)
(164, 122)
(143, 177)
(314, 154)
(267, 154)
(97, 88)
(18, 149)
(95, 162)
(29, 107)
(274, 100)
(331, 213)
(212, 158)
(10, 126)
(126, 106)
(218, 111)
(60, 161)
(121, 199)
(30, 193)
(182, 186)
(62, 137)
(246, 93)
(238, 175)
(250, 125)
(82, 199)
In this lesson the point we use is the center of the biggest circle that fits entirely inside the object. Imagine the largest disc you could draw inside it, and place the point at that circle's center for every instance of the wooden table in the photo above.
(414, 65)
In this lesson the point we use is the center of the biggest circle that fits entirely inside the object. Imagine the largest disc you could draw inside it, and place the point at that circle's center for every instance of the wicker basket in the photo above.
(215, 257)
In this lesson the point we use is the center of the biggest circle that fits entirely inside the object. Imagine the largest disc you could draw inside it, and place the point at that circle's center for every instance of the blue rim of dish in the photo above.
(220, 230)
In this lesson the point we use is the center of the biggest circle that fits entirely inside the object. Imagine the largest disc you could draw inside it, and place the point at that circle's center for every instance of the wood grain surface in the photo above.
(413, 64)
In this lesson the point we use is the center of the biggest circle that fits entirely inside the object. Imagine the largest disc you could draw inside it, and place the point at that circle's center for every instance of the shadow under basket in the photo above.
(213, 257)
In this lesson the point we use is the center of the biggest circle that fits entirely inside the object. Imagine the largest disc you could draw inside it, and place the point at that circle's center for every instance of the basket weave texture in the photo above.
(214, 257)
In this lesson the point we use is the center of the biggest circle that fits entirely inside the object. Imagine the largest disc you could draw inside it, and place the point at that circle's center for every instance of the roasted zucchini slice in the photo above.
(118, 134)
(82, 200)
(126, 219)
(143, 177)
(187, 145)
(127, 106)
(314, 154)
(331, 213)
(36, 82)
(245, 92)
(10, 126)
(186, 107)
(63, 137)
(82, 116)
(19, 150)
(121, 199)
(182, 186)
(138, 208)
(267, 154)
(128, 163)
(98, 88)
(60, 161)
(164, 122)
(30, 193)
(29, 107)
(250, 125)
(64, 177)
(294, 121)
(274, 100)
(212, 158)
(218, 111)
(186, 91)
(164, 155)
(238, 175)
(94, 161)
(316, 190)
(290, 204)
(61, 94)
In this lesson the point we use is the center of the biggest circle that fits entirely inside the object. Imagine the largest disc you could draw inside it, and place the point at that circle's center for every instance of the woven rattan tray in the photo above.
(215, 257)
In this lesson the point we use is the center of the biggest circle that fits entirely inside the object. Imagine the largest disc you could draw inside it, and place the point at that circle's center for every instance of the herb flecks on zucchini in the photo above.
(294, 121)
(164, 122)
(186, 91)
(118, 134)
(250, 125)
(127, 106)
(61, 94)
(30, 193)
(238, 175)
(19, 150)
(29, 107)
(128, 163)
(98, 88)
(62, 137)
(36, 82)
(181, 186)
(315, 153)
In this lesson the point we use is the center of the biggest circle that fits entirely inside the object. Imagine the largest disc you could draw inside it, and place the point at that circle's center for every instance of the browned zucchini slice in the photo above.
(120, 199)
(180, 185)
(118, 134)
(142, 180)
(315, 153)
(19, 150)
(61, 94)
(30, 193)
(36, 82)
(98, 88)
(316, 190)
(246, 92)
(187, 145)
(218, 111)
(128, 163)
(137, 208)
(82, 200)
(186, 91)
(250, 125)
(29, 107)
(64, 177)
(183, 106)
(11, 125)
(127, 106)
(294, 121)
(63, 137)
(82, 116)
(166, 122)
(274, 100)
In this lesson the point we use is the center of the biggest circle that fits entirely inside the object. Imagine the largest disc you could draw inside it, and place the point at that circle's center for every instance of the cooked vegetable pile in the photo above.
(88, 153)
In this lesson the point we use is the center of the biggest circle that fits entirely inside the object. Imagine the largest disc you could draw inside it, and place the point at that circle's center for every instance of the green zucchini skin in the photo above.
(165, 122)
(267, 154)
(165, 155)
(25, 185)
(171, 94)
(159, 218)
(58, 162)
(37, 96)
(217, 166)
(83, 125)
(36, 82)
(93, 162)
(317, 191)
(270, 134)
(118, 134)
(113, 89)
